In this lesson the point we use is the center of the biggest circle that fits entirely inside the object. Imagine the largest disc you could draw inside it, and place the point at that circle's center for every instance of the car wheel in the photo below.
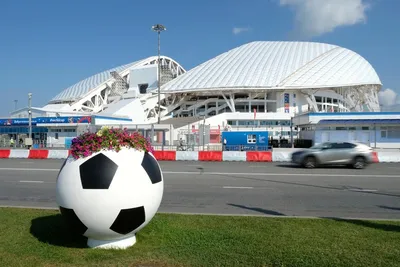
(359, 163)
(310, 163)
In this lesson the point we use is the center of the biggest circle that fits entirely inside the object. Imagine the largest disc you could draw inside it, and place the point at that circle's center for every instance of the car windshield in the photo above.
(321, 146)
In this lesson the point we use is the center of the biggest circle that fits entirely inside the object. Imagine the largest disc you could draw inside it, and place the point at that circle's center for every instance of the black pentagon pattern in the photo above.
(73, 221)
(152, 168)
(97, 172)
(128, 220)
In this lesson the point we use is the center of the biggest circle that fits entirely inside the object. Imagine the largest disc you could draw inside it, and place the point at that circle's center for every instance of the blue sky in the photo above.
(48, 45)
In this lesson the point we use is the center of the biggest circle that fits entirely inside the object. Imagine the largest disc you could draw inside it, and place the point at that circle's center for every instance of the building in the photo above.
(376, 129)
(256, 85)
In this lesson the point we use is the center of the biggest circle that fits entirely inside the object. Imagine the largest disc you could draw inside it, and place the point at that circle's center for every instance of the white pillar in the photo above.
(265, 102)
(249, 102)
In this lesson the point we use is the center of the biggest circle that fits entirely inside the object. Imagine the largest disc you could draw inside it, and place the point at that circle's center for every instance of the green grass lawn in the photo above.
(40, 238)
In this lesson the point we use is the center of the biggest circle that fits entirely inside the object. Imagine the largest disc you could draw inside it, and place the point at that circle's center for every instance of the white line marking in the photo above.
(363, 190)
(238, 187)
(285, 174)
(29, 169)
(240, 173)
(38, 182)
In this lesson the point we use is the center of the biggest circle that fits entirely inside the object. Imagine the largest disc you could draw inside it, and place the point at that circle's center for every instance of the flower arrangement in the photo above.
(108, 139)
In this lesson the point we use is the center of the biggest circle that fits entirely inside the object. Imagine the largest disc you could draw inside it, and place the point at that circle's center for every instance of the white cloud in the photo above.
(388, 98)
(239, 30)
(316, 17)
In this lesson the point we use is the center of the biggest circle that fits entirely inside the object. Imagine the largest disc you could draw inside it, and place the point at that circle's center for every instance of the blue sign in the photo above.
(68, 142)
(46, 120)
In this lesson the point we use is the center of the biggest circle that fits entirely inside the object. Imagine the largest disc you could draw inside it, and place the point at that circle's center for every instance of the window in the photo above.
(143, 88)
(56, 136)
(393, 132)
(365, 128)
(341, 128)
(251, 138)
(342, 145)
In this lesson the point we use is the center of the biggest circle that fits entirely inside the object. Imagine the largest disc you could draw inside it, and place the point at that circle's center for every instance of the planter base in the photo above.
(112, 244)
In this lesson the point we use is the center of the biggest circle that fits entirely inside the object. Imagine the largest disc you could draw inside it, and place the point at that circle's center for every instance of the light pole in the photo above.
(159, 28)
(15, 104)
(30, 114)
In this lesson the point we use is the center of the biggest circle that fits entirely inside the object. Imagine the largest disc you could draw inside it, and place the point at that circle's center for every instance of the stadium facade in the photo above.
(259, 84)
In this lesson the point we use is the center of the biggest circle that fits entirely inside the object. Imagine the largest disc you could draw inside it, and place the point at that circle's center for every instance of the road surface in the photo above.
(241, 188)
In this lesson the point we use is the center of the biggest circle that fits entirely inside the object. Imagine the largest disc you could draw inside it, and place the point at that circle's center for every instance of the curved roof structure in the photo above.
(275, 65)
(83, 87)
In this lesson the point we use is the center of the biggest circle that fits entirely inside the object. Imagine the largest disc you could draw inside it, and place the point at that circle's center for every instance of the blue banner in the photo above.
(68, 142)
(46, 120)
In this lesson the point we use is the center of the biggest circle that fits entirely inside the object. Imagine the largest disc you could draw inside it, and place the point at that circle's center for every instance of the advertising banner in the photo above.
(286, 102)
(45, 120)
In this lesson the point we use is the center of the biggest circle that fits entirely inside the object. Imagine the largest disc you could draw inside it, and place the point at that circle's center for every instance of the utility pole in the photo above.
(159, 28)
(30, 118)
(291, 131)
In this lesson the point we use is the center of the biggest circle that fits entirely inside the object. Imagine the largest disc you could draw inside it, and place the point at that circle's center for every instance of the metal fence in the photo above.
(212, 147)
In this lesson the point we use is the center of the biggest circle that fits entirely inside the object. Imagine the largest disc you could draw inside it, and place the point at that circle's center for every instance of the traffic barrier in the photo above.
(388, 156)
(19, 153)
(5, 153)
(281, 156)
(187, 155)
(262, 156)
(165, 155)
(210, 155)
(38, 154)
(234, 156)
(375, 158)
(59, 154)
(259, 156)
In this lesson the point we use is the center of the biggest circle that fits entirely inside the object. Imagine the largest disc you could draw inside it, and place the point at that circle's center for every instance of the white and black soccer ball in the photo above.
(110, 195)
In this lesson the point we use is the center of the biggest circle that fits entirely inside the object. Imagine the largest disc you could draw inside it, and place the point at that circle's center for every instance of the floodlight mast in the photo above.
(159, 28)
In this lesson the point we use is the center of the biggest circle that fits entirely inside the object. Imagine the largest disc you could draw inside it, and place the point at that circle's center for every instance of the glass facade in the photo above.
(259, 122)
(21, 130)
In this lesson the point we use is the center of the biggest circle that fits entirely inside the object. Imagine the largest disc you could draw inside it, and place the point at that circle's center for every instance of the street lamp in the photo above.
(30, 114)
(159, 28)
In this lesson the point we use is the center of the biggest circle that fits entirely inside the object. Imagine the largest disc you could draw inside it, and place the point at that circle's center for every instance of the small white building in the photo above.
(376, 129)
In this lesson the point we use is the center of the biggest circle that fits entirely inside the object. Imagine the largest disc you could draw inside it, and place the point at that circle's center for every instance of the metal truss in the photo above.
(113, 89)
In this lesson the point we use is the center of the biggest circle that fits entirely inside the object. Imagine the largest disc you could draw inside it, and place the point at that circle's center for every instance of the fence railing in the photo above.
(213, 147)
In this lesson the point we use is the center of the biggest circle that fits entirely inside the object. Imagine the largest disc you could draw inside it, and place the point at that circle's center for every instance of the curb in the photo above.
(217, 156)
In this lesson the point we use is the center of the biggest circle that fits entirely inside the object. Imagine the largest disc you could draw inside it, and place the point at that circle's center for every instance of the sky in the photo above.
(49, 45)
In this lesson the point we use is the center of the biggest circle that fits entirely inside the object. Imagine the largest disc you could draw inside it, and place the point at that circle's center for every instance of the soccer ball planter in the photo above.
(108, 195)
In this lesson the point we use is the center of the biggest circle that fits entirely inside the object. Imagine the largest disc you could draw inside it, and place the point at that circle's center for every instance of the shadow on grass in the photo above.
(264, 211)
(52, 230)
(375, 225)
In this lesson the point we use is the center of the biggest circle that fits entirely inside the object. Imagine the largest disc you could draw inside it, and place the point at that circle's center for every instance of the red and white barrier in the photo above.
(277, 155)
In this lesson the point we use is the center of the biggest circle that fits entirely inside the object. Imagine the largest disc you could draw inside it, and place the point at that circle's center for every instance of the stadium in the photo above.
(258, 84)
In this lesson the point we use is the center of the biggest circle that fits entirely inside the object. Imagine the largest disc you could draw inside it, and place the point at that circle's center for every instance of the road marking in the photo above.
(363, 190)
(240, 173)
(286, 174)
(238, 187)
(258, 166)
(38, 182)
(29, 169)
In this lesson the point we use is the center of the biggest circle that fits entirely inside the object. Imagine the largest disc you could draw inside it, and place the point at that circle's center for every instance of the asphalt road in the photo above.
(235, 188)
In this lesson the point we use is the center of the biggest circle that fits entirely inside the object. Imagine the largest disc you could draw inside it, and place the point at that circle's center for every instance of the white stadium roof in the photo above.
(81, 88)
(276, 65)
